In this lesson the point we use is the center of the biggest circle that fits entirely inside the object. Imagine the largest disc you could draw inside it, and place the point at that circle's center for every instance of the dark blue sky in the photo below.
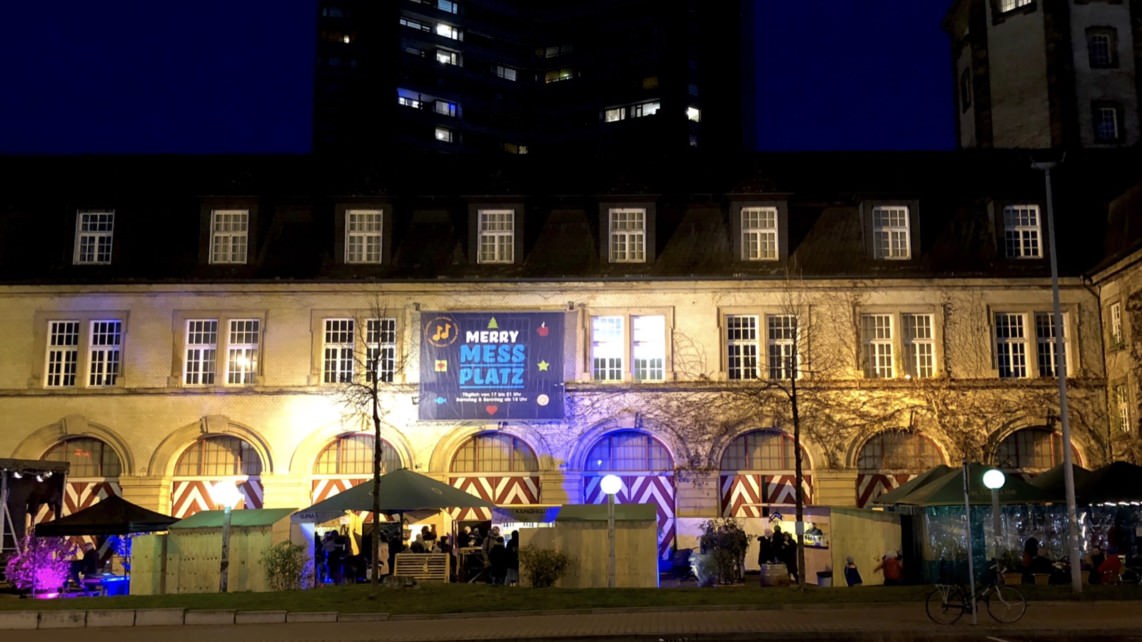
(222, 76)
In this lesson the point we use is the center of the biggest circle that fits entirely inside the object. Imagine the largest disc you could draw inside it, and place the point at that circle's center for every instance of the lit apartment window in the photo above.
(759, 233)
(1102, 47)
(1014, 341)
(415, 24)
(607, 350)
(447, 57)
(1106, 123)
(201, 352)
(648, 347)
(919, 346)
(627, 229)
(507, 73)
(646, 351)
(229, 236)
(446, 108)
(694, 114)
(448, 6)
(339, 350)
(1045, 343)
(1021, 232)
(496, 236)
(363, 236)
(409, 98)
(381, 349)
(1122, 407)
(1117, 339)
(242, 351)
(448, 31)
(558, 75)
(93, 236)
(645, 109)
(1012, 5)
(876, 335)
(443, 134)
(890, 233)
(614, 114)
(742, 348)
(103, 347)
(781, 345)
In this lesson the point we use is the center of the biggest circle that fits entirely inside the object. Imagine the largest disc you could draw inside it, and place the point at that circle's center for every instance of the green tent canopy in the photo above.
(892, 496)
(1115, 482)
(947, 489)
(402, 491)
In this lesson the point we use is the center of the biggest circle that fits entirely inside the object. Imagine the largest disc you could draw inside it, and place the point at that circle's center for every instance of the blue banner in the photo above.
(493, 366)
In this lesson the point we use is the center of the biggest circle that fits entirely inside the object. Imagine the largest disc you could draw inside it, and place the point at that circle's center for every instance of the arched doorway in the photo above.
(758, 473)
(890, 459)
(93, 473)
(498, 467)
(347, 461)
(1030, 451)
(647, 471)
(210, 459)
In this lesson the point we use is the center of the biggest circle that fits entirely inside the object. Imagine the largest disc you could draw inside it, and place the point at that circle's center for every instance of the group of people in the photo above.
(489, 557)
(778, 548)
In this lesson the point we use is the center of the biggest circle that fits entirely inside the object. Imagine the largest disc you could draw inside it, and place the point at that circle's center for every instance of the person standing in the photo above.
(852, 573)
(513, 560)
(892, 568)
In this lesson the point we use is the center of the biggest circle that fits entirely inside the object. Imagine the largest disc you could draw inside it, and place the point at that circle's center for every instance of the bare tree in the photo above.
(366, 366)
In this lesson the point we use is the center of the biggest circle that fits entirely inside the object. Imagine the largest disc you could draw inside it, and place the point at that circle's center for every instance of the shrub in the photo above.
(725, 540)
(544, 566)
(286, 566)
(43, 564)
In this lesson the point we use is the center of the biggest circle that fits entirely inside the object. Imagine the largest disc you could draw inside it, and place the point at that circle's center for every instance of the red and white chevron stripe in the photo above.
(745, 494)
(869, 486)
(642, 489)
(325, 487)
(502, 490)
(189, 496)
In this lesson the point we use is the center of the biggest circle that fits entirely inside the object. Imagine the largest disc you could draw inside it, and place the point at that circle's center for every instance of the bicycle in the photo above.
(948, 602)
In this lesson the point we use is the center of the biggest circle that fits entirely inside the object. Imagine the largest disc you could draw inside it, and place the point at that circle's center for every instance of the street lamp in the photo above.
(611, 484)
(226, 494)
(994, 479)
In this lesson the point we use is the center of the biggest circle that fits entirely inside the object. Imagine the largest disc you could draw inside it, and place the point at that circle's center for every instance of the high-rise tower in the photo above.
(1047, 73)
(525, 77)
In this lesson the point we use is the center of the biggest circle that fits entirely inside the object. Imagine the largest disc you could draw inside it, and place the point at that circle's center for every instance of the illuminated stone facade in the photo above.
(917, 339)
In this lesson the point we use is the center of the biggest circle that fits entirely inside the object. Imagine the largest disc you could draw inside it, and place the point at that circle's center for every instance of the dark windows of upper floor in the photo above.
(1106, 117)
(1022, 231)
(1025, 345)
(85, 350)
(1102, 47)
(94, 236)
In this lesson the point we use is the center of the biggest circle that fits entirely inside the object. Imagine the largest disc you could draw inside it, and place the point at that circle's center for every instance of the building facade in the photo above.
(1042, 74)
(207, 318)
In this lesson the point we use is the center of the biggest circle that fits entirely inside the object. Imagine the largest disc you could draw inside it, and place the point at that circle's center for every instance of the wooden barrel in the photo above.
(774, 575)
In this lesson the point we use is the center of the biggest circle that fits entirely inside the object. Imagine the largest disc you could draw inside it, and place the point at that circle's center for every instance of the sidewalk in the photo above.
(1103, 620)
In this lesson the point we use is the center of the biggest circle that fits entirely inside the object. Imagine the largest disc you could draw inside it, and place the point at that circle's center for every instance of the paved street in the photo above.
(1108, 620)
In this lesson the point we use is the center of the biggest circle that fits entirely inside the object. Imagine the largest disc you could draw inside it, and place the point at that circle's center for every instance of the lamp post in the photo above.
(227, 495)
(611, 484)
(994, 479)
(967, 526)
(1061, 378)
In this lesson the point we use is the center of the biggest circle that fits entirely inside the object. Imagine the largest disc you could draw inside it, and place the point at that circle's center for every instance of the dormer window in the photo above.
(627, 234)
(890, 233)
(93, 236)
(1022, 232)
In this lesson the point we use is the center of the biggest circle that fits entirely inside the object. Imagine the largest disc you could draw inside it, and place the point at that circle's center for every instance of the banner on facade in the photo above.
(492, 366)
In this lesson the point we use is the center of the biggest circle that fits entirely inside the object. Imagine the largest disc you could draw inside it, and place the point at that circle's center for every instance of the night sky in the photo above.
(235, 76)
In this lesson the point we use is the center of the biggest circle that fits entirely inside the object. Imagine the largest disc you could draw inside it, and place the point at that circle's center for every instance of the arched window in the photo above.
(353, 455)
(88, 456)
(1033, 449)
(218, 455)
(494, 453)
(762, 450)
(898, 450)
(628, 450)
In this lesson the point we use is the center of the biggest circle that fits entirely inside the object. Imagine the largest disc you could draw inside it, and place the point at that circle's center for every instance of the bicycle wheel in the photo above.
(1006, 604)
(945, 604)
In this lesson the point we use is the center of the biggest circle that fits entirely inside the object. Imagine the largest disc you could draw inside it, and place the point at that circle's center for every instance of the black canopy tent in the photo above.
(111, 516)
